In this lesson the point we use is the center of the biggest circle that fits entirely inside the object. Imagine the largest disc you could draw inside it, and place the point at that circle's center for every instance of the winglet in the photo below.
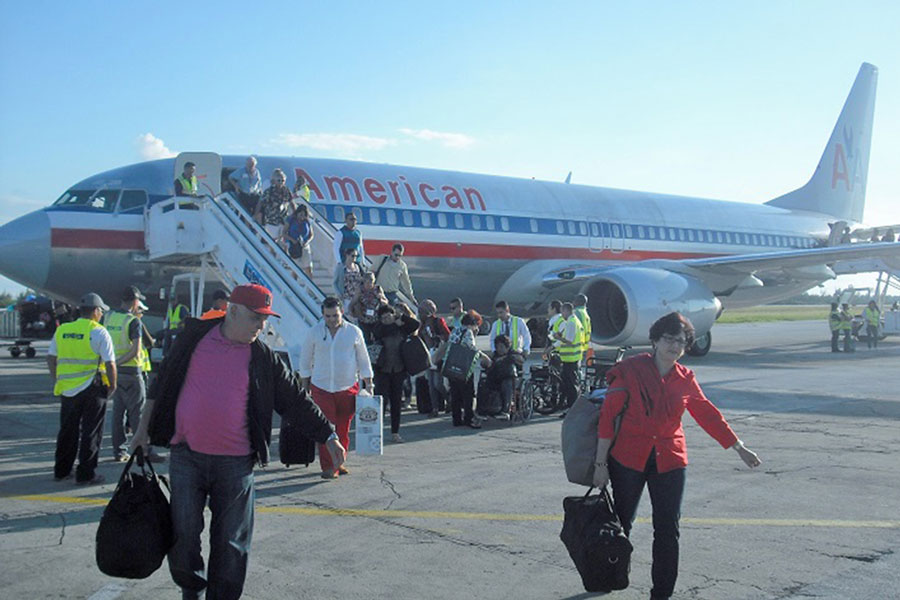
(838, 185)
(569, 177)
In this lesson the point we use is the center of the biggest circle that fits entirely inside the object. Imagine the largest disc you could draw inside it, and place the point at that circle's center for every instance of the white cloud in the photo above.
(340, 142)
(446, 139)
(151, 147)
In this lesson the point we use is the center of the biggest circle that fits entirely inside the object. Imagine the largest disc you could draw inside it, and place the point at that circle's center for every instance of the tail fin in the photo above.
(838, 186)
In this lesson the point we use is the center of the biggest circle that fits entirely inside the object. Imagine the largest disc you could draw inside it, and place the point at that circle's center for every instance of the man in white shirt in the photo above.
(82, 363)
(333, 359)
(513, 327)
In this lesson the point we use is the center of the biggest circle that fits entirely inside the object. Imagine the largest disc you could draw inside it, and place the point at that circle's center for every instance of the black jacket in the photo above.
(272, 386)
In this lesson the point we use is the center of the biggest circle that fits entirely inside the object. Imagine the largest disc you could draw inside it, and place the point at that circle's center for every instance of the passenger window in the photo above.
(339, 214)
(595, 231)
(628, 231)
(534, 225)
(615, 231)
(671, 234)
(476, 222)
(391, 217)
(652, 232)
(132, 200)
(358, 213)
(459, 221)
(681, 234)
(426, 219)
(582, 228)
(728, 237)
(719, 237)
(407, 218)
(571, 227)
(374, 216)
(442, 220)
(489, 223)
(560, 228)
(690, 235)
(504, 223)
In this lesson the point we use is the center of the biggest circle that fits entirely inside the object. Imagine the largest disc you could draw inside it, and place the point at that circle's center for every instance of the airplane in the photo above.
(635, 255)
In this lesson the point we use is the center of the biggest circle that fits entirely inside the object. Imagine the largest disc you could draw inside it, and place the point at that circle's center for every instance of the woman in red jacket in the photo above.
(651, 392)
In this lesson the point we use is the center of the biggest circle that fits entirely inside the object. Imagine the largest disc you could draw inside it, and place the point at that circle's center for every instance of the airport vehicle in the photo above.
(635, 255)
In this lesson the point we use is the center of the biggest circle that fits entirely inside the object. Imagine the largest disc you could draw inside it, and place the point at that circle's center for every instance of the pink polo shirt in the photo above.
(211, 415)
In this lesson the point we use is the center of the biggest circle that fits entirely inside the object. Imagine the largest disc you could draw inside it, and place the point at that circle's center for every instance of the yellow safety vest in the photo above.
(188, 187)
(76, 362)
(846, 322)
(871, 316)
(571, 352)
(303, 192)
(513, 332)
(834, 320)
(174, 315)
(117, 324)
(585, 319)
(146, 367)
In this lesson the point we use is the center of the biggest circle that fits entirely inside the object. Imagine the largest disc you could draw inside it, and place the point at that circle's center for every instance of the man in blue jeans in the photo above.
(212, 404)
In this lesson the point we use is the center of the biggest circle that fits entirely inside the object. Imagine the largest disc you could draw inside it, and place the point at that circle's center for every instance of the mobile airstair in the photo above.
(212, 238)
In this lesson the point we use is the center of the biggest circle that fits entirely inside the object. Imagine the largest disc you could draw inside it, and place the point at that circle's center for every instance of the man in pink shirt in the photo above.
(212, 403)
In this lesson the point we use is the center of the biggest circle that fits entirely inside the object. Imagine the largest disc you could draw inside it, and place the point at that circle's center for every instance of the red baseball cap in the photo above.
(255, 297)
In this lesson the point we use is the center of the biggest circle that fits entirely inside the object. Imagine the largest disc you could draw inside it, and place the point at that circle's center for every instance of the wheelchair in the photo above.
(595, 369)
(520, 408)
(542, 389)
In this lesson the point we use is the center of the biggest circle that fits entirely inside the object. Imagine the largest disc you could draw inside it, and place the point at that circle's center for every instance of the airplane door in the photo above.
(208, 170)
(597, 239)
(616, 237)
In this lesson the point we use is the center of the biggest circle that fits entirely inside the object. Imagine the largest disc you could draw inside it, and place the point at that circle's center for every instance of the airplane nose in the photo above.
(25, 249)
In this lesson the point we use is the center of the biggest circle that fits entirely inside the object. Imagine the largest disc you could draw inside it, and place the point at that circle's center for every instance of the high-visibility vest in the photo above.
(513, 332)
(834, 320)
(213, 313)
(871, 316)
(303, 192)
(146, 366)
(174, 316)
(571, 352)
(846, 321)
(76, 362)
(117, 324)
(188, 186)
(585, 319)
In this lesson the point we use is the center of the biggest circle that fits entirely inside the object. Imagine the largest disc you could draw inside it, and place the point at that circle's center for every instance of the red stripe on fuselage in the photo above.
(97, 239)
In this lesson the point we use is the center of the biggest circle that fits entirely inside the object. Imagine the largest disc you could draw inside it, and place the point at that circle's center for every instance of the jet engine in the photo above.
(624, 302)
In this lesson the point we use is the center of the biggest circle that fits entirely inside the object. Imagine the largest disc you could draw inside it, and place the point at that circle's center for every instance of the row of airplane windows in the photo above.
(474, 222)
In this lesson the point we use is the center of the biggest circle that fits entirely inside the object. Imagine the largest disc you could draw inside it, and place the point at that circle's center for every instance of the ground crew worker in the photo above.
(570, 338)
(872, 317)
(301, 189)
(554, 323)
(834, 322)
(186, 184)
(513, 327)
(127, 402)
(847, 327)
(176, 315)
(585, 319)
(219, 306)
(82, 363)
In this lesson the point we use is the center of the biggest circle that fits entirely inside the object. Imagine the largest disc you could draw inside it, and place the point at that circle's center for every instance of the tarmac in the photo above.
(457, 513)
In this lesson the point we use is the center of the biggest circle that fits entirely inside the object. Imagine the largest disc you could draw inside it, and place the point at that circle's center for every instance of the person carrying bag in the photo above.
(460, 355)
(135, 531)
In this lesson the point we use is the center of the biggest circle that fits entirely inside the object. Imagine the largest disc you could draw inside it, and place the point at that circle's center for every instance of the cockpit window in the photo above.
(102, 200)
(132, 201)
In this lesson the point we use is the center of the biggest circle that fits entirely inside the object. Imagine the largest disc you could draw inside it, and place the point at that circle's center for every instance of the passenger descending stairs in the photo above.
(218, 234)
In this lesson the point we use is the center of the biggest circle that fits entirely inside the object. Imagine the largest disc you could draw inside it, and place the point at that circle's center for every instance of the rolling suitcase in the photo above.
(423, 396)
(294, 448)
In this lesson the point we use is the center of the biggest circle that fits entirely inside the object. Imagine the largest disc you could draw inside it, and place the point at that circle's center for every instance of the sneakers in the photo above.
(502, 416)
(475, 424)
(395, 437)
(96, 479)
(122, 457)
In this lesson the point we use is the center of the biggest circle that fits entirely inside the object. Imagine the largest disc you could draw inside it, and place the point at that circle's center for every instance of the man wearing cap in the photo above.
(82, 364)
(127, 402)
(212, 404)
(219, 306)
(186, 184)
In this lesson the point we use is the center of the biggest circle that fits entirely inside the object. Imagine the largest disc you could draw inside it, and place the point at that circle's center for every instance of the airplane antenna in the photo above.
(569, 177)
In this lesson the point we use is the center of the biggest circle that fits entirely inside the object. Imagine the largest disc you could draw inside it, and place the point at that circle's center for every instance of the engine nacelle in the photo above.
(624, 302)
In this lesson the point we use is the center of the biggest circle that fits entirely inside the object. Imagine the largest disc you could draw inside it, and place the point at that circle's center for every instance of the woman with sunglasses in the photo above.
(651, 393)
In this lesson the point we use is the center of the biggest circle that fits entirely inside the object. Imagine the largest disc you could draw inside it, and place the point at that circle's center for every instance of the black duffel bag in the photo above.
(135, 531)
(416, 358)
(596, 542)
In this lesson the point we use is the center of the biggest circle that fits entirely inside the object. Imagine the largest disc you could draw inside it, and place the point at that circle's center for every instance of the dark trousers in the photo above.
(872, 336)
(835, 336)
(848, 341)
(569, 387)
(390, 387)
(666, 492)
(227, 483)
(462, 394)
(80, 432)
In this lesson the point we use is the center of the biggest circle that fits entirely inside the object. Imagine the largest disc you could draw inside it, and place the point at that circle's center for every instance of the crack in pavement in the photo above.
(873, 556)
(387, 483)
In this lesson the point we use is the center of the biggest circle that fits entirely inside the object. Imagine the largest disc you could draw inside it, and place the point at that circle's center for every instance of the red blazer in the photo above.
(652, 420)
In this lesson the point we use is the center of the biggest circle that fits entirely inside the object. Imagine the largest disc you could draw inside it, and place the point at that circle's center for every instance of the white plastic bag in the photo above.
(369, 424)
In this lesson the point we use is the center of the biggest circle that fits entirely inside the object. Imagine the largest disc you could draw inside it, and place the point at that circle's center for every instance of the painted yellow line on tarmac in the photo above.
(476, 516)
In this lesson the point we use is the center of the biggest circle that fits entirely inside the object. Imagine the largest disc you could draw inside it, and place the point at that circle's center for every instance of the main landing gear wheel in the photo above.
(701, 345)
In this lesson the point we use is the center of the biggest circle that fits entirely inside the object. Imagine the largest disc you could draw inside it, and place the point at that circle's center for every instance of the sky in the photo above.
(710, 99)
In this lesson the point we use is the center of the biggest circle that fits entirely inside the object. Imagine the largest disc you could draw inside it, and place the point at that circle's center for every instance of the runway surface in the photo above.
(477, 514)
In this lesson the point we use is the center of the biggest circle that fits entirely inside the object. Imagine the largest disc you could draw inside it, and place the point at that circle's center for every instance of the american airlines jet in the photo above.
(636, 255)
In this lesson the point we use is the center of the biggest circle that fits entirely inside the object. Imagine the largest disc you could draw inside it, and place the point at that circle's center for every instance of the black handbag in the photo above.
(135, 531)
(458, 361)
(596, 542)
(416, 358)
(295, 250)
